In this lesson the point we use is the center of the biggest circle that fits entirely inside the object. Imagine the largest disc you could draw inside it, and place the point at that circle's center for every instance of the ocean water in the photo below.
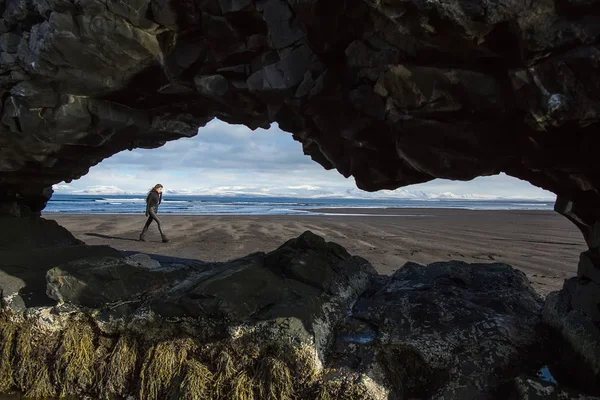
(215, 205)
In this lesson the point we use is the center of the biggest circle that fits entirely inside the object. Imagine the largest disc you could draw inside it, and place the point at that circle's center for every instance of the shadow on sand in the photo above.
(174, 260)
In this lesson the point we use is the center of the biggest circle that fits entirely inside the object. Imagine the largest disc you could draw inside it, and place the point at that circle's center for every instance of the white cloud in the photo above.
(62, 187)
(232, 160)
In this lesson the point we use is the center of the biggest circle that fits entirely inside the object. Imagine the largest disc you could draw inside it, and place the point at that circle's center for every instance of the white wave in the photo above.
(529, 204)
(121, 200)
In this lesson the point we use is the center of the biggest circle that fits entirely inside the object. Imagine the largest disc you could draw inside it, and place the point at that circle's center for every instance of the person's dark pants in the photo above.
(153, 217)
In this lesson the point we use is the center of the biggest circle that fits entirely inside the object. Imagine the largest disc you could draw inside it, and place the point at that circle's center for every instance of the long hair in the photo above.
(157, 186)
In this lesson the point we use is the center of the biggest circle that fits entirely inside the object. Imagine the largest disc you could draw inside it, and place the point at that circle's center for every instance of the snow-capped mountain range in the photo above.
(302, 191)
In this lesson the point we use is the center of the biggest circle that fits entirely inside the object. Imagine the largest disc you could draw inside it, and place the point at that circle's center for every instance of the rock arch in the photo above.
(391, 93)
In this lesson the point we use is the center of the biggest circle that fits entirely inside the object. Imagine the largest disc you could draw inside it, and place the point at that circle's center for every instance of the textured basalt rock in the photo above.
(578, 333)
(24, 234)
(258, 326)
(449, 330)
(306, 321)
(574, 311)
(529, 388)
(306, 280)
(28, 248)
(392, 93)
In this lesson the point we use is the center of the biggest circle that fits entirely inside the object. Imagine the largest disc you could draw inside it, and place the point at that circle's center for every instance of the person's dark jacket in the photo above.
(152, 201)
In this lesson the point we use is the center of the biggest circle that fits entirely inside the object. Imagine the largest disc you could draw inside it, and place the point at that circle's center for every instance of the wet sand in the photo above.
(543, 244)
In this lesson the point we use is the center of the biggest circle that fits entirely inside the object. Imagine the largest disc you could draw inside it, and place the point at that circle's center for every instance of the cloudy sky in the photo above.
(224, 159)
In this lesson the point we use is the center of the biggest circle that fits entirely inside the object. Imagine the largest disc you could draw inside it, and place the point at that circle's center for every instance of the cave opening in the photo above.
(388, 93)
(230, 191)
(232, 194)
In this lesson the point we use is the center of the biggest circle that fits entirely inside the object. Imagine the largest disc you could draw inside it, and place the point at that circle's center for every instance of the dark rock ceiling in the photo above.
(389, 92)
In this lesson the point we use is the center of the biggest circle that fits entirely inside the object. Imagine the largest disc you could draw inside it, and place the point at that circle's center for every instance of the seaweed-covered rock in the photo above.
(306, 321)
(258, 326)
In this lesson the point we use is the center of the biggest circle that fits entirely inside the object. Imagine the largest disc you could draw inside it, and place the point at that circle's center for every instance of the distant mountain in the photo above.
(103, 190)
(179, 192)
(422, 195)
(466, 196)
(300, 191)
(232, 191)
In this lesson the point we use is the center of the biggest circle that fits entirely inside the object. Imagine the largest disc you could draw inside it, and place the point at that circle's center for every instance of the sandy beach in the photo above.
(543, 244)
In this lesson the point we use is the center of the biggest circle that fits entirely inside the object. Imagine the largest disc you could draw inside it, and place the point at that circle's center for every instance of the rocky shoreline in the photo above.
(306, 321)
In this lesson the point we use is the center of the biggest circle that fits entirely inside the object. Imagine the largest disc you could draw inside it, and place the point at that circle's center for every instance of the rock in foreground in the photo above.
(574, 315)
(528, 388)
(28, 248)
(449, 330)
(306, 321)
(258, 326)
(577, 336)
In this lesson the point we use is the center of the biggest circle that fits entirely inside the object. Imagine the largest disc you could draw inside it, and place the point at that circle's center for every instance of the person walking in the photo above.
(153, 199)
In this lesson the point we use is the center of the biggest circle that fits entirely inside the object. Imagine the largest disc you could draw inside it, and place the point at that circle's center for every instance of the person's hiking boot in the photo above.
(142, 238)
(165, 239)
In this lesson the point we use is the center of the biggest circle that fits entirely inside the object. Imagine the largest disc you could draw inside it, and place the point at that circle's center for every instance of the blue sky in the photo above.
(232, 159)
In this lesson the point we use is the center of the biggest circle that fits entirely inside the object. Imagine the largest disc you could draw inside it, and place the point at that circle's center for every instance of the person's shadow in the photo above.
(111, 237)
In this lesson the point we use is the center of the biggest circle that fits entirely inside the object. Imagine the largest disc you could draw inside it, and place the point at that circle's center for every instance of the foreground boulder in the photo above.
(449, 330)
(530, 388)
(258, 326)
(21, 235)
(306, 280)
(574, 315)
(306, 321)
(28, 248)
(576, 335)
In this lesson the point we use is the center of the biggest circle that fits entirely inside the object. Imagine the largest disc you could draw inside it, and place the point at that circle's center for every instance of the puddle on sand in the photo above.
(545, 374)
